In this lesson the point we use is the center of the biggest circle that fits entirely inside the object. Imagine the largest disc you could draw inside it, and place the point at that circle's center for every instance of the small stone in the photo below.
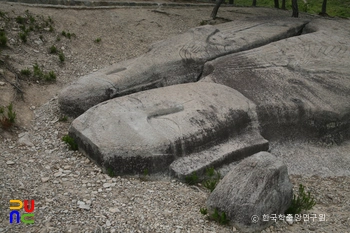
(107, 185)
(2, 83)
(234, 229)
(108, 223)
(57, 174)
(85, 207)
(114, 210)
(45, 179)
(10, 162)
(38, 42)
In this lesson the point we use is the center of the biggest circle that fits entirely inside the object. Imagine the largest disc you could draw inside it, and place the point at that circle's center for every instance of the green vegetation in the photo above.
(23, 37)
(2, 14)
(68, 34)
(110, 172)
(7, 120)
(98, 40)
(61, 56)
(26, 72)
(38, 73)
(51, 76)
(212, 178)
(301, 202)
(3, 39)
(219, 218)
(53, 49)
(70, 141)
(203, 211)
(20, 20)
(340, 8)
(192, 179)
(63, 119)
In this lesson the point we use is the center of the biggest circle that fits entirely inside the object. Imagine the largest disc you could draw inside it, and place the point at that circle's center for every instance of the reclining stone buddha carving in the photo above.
(213, 96)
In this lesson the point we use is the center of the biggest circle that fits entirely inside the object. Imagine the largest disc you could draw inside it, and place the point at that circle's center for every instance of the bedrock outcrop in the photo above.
(300, 84)
(179, 59)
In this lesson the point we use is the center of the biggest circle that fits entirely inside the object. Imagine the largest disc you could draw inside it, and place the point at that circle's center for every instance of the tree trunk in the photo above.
(295, 9)
(254, 3)
(277, 4)
(324, 8)
(284, 4)
(216, 8)
(231, 2)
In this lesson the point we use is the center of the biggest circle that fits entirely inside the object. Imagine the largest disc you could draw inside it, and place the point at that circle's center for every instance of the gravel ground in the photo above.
(70, 192)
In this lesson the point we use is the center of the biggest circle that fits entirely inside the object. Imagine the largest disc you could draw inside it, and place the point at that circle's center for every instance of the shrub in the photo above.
(98, 40)
(301, 202)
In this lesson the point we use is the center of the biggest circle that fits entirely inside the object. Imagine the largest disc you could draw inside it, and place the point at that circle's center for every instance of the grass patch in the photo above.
(203, 211)
(219, 218)
(7, 120)
(192, 179)
(63, 119)
(26, 72)
(51, 76)
(38, 73)
(61, 56)
(212, 178)
(98, 40)
(20, 20)
(110, 172)
(23, 37)
(301, 202)
(53, 49)
(71, 142)
(3, 39)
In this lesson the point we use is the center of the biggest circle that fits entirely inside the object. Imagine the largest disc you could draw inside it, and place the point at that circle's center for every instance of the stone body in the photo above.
(299, 84)
(256, 186)
(152, 129)
(179, 59)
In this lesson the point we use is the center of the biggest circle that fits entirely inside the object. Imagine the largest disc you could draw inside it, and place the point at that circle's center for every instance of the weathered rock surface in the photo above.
(298, 84)
(152, 129)
(179, 59)
(257, 186)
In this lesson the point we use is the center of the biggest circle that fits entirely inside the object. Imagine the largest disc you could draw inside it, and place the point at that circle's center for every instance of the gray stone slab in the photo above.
(232, 150)
(179, 59)
(300, 84)
(151, 129)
